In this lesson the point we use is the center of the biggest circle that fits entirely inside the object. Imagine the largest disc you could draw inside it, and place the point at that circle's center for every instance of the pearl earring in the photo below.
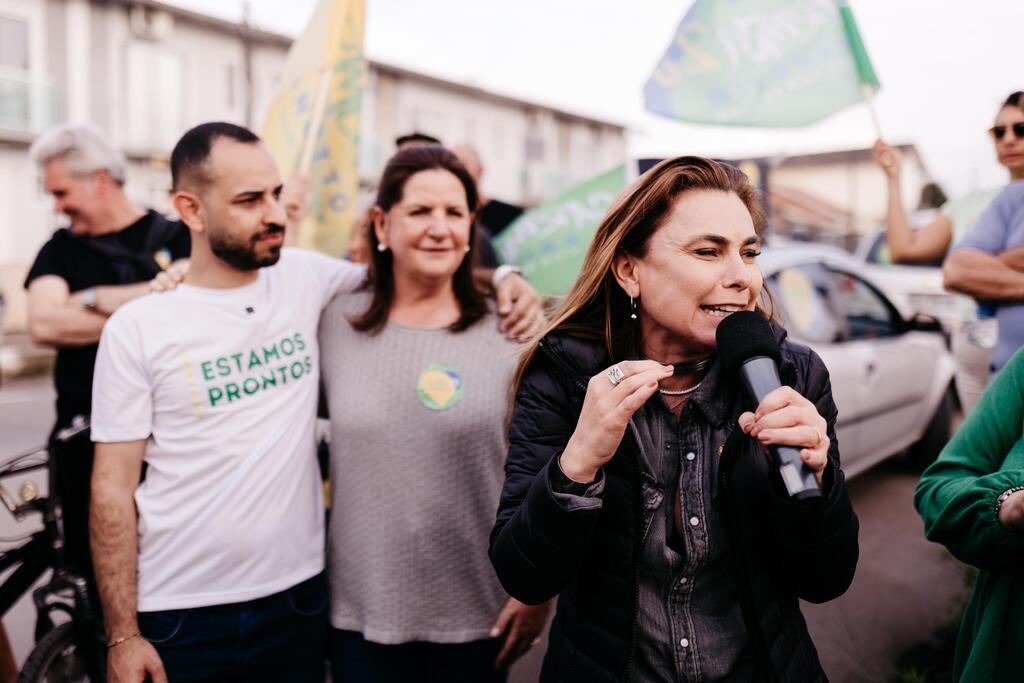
(381, 247)
(466, 249)
(632, 306)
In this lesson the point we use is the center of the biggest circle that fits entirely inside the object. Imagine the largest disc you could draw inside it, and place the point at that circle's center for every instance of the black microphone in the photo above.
(747, 345)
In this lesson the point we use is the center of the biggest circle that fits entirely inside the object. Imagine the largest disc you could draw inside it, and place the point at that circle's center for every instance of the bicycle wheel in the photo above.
(57, 658)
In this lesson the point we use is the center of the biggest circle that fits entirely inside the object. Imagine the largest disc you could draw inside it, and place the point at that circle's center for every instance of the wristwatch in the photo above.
(88, 298)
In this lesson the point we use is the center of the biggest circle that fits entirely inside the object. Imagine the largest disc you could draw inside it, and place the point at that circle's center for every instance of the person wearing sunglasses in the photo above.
(988, 262)
(973, 340)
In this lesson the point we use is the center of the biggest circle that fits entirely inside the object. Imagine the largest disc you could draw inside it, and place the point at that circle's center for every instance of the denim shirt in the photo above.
(690, 623)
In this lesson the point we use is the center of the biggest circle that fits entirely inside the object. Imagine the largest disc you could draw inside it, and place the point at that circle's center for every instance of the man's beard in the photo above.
(242, 255)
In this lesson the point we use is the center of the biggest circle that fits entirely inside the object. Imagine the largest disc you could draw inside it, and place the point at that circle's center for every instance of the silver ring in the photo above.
(615, 375)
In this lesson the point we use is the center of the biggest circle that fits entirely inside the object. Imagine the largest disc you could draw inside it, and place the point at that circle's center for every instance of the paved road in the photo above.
(902, 591)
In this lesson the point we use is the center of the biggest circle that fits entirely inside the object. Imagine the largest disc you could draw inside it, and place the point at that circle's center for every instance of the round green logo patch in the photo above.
(439, 386)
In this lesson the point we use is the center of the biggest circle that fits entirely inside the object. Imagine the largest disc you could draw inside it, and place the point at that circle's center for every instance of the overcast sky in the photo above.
(945, 66)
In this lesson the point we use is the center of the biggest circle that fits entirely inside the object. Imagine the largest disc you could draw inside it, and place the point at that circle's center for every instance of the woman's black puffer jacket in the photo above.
(590, 558)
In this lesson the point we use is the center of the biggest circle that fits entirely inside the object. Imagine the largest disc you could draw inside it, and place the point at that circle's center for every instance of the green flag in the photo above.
(550, 241)
(772, 63)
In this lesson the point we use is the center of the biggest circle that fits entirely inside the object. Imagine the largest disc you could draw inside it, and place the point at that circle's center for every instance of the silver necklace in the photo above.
(680, 392)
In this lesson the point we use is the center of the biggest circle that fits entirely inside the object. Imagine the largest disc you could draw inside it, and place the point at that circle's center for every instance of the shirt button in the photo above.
(668, 447)
(691, 455)
(684, 642)
(683, 581)
(694, 521)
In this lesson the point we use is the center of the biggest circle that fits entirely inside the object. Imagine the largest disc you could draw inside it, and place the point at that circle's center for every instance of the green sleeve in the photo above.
(957, 495)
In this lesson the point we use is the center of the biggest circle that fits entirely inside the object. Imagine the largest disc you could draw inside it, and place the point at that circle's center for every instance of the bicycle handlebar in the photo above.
(31, 501)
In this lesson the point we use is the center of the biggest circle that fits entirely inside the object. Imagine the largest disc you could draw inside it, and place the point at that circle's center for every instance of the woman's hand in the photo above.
(785, 418)
(606, 411)
(168, 280)
(520, 307)
(888, 158)
(521, 624)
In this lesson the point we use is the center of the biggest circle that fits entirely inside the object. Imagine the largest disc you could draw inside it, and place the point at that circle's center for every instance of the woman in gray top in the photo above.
(416, 375)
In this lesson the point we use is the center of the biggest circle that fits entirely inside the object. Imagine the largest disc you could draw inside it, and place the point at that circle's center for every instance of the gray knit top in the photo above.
(417, 462)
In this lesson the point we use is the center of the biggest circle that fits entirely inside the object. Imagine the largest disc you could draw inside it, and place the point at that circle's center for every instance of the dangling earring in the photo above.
(632, 306)
(381, 247)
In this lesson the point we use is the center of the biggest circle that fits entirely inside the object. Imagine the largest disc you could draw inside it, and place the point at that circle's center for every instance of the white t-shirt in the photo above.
(223, 385)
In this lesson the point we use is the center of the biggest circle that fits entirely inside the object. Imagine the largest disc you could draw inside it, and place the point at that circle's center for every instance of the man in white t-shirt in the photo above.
(211, 568)
(214, 387)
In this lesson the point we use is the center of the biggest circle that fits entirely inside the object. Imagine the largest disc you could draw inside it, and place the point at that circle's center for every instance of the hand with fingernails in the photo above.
(612, 397)
(520, 626)
(520, 307)
(785, 418)
(168, 280)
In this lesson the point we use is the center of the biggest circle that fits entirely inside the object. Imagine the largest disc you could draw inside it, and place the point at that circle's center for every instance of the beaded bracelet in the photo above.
(125, 639)
(1004, 495)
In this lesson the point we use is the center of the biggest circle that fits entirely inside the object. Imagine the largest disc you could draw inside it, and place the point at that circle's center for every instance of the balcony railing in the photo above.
(27, 104)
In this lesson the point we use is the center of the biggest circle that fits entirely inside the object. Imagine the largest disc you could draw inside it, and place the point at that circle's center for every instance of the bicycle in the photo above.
(69, 643)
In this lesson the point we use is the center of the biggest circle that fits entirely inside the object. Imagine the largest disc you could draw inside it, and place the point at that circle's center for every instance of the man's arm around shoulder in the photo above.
(114, 534)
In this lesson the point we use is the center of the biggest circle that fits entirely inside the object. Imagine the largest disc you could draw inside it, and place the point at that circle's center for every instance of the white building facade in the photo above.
(144, 72)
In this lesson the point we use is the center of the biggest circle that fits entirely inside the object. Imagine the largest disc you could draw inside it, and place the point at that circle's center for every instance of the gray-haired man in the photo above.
(83, 273)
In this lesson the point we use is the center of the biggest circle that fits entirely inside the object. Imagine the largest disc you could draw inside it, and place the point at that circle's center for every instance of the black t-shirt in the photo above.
(116, 259)
(497, 215)
(493, 217)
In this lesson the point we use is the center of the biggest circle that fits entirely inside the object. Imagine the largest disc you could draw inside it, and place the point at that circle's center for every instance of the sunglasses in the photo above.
(998, 132)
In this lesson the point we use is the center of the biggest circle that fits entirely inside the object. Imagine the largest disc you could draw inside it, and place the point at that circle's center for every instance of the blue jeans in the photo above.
(281, 637)
(356, 660)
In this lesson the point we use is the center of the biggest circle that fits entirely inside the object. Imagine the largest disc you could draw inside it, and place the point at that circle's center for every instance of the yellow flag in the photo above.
(313, 124)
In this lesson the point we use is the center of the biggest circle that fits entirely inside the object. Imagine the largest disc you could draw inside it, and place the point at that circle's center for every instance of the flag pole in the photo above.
(305, 237)
(869, 98)
(314, 123)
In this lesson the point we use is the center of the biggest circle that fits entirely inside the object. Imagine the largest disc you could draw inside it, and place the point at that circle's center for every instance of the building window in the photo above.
(499, 142)
(154, 96)
(13, 44)
(534, 147)
(15, 85)
(229, 86)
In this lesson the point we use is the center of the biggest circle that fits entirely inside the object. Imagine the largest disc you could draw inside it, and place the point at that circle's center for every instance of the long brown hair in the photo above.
(405, 164)
(596, 308)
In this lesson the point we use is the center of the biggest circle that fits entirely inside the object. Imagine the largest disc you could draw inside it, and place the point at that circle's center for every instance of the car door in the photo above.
(891, 373)
(803, 294)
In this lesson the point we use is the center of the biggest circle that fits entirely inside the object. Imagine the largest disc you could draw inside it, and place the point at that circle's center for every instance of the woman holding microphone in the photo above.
(637, 487)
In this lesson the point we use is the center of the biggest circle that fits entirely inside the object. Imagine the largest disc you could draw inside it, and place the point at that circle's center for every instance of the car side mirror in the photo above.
(921, 323)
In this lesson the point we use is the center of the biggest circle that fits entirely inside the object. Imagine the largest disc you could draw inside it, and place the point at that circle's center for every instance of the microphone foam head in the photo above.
(744, 335)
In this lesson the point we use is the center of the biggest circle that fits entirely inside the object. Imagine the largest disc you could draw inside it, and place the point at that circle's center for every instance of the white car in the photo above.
(891, 376)
(913, 288)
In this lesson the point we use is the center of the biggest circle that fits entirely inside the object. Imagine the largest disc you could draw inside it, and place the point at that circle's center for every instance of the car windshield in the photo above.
(879, 254)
